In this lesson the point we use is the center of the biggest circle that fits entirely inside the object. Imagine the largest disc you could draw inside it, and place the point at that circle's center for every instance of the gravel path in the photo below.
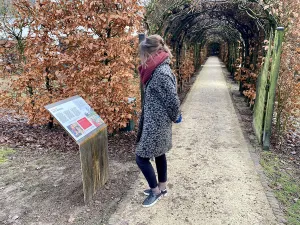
(212, 178)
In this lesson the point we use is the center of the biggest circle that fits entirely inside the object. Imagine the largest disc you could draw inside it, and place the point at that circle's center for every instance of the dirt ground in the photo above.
(40, 183)
(40, 186)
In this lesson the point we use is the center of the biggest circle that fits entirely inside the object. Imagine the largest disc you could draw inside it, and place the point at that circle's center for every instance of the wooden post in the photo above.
(196, 57)
(262, 94)
(233, 68)
(141, 38)
(94, 162)
(272, 90)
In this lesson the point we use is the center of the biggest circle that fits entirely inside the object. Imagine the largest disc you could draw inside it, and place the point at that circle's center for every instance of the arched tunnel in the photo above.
(238, 32)
(213, 49)
(213, 26)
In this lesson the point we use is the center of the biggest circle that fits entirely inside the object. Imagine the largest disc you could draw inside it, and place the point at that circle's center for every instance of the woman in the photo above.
(160, 109)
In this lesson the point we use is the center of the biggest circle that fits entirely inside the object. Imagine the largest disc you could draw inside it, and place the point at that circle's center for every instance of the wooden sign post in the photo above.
(90, 133)
(94, 162)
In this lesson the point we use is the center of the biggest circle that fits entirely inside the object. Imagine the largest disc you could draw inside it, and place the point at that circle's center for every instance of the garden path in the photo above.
(212, 177)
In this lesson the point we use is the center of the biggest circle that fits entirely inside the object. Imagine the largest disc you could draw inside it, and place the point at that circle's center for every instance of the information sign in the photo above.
(76, 116)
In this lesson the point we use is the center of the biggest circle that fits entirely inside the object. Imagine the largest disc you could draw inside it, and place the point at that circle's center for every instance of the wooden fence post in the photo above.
(273, 83)
(141, 38)
(261, 95)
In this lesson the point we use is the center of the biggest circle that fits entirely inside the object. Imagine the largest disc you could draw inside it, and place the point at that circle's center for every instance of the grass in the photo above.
(4, 153)
(285, 186)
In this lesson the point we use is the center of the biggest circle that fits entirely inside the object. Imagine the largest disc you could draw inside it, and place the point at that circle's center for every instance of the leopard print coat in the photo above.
(160, 109)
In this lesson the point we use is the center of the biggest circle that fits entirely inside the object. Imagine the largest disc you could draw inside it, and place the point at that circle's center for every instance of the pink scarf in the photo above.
(151, 64)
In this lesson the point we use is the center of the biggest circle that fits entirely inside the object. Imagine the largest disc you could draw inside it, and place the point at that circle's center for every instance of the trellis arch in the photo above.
(238, 26)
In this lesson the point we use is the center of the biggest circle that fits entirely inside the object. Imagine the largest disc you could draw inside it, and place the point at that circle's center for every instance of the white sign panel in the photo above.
(76, 116)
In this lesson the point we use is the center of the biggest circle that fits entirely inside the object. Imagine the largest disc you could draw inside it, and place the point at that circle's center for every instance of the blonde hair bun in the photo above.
(151, 46)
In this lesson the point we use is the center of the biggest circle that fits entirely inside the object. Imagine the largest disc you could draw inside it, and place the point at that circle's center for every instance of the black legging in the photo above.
(148, 171)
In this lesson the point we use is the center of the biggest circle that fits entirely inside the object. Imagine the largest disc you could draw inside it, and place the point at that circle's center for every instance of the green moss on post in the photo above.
(261, 95)
(272, 90)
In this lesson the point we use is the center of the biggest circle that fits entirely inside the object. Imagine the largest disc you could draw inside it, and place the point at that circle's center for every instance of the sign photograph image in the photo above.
(75, 130)
(94, 118)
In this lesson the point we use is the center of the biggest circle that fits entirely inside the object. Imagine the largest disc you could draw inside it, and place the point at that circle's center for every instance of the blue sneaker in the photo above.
(148, 191)
(152, 199)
